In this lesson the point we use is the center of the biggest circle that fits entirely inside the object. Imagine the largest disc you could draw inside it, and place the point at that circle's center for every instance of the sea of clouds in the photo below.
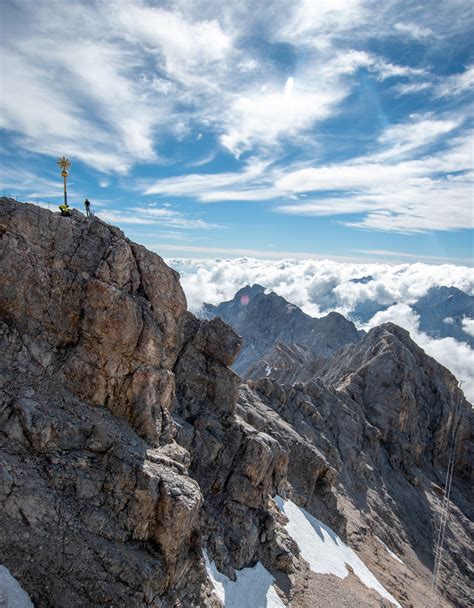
(320, 286)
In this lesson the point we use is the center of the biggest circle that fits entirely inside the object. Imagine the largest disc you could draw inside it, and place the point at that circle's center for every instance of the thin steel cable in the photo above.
(439, 547)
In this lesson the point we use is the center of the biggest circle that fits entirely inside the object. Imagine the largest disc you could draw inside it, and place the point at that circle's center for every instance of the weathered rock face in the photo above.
(99, 310)
(266, 319)
(95, 509)
(289, 415)
(288, 363)
(409, 396)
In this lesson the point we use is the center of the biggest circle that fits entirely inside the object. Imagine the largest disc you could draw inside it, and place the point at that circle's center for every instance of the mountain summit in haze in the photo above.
(442, 311)
(264, 320)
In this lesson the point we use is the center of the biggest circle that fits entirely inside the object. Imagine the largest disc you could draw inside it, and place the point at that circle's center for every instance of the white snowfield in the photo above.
(11, 593)
(324, 551)
(253, 587)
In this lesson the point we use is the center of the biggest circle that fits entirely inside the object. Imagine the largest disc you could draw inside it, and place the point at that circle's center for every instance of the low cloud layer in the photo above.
(321, 286)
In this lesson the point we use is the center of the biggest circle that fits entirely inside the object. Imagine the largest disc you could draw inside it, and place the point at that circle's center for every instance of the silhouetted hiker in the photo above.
(87, 205)
(65, 210)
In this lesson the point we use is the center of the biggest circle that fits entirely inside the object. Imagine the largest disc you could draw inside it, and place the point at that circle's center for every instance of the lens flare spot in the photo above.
(244, 300)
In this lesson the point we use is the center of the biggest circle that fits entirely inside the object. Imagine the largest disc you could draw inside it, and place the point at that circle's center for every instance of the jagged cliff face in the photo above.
(96, 507)
(237, 465)
(382, 452)
(100, 311)
(128, 445)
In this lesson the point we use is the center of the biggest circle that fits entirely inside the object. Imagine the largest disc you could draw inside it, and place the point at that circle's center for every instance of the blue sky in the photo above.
(278, 129)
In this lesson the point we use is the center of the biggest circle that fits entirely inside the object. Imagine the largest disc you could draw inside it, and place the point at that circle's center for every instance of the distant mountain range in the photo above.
(442, 311)
(282, 342)
(366, 404)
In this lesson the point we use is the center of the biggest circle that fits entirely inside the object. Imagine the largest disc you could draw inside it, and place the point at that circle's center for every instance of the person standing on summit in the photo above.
(87, 205)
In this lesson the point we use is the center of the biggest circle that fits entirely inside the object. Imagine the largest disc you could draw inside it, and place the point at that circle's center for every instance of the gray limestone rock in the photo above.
(382, 415)
(96, 507)
(100, 311)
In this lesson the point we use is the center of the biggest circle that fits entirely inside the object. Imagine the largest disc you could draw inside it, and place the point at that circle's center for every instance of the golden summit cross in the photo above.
(65, 164)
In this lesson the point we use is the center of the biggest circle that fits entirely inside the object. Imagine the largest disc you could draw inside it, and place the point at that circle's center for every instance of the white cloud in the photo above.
(408, 88)
(457, 83)
(267, 115)
(248, 65)
(468, 325)
(263, 117)
(442, 86)
(418, 132)
(151, 215)
(83, 78)
(185, 45)
(106, 82)
(414, 30)
(105, 95)
(309, 19)
(299, 280)
(67, 95)
(398, 195)
(16, 180)
(393, 190)
(347, 177)
(207, 186)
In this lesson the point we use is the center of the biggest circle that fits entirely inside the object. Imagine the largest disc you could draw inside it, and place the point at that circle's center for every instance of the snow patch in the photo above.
(268, 370)
(391, 553)
(324, 551)
(252, 587)
(11, 593)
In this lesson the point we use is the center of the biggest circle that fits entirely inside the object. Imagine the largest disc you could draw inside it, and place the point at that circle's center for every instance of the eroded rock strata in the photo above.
(129, 446)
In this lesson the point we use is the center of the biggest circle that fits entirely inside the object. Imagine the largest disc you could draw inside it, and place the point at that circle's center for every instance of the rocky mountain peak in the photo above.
(101, 312)
(138, 469)
(249, 291)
